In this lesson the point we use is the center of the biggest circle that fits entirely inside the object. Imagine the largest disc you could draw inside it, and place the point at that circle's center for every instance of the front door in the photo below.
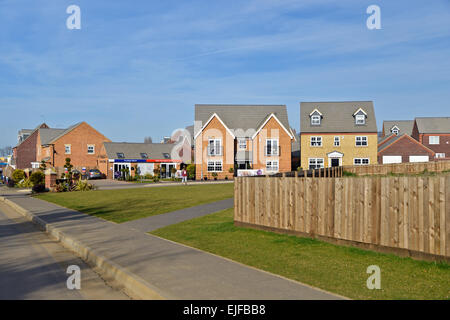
(335, 162)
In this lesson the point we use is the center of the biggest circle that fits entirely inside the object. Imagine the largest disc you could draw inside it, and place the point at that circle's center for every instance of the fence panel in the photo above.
(408, 212)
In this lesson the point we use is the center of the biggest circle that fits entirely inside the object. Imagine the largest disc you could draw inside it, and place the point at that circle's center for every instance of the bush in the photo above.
(190, 169)
(25, 183)
(38, 188)
(18, 175)
(83, 185)
(37, 177)
(214, 174)
(62, 187)
(148, 176)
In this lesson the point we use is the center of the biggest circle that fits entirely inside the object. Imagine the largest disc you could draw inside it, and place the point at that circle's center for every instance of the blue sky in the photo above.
(136, 68)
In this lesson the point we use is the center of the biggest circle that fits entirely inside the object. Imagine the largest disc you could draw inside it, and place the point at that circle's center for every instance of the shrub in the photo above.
(25, 183)
(190, 169)
(214, 174)
(37, 177)
(231, 170)
(83, 185)
(62, 187)
(38, 188)
(18, 175)
(148, 176)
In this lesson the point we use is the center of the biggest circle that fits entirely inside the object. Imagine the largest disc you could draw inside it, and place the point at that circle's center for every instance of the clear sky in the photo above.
(136, 68)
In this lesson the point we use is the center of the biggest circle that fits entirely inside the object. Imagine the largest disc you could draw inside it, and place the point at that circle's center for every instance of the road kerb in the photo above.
(133, 284)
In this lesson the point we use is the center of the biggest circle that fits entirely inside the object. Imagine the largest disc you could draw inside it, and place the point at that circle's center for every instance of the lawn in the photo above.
(334, 268)
(129, 204)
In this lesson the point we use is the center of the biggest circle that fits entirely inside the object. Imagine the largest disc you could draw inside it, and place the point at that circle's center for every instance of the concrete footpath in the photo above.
(153, 268)
(166, 219)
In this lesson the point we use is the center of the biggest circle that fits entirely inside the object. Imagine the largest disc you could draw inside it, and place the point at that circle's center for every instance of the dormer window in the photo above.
(120, 155)
(315, 120)
(395, 130)
(316, 117)
(144, 156)
(360, 117)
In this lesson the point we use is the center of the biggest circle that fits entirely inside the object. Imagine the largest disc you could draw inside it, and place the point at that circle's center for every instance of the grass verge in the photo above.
(135, 203)
(338, 269)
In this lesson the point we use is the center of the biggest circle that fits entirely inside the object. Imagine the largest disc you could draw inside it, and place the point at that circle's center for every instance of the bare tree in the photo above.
(148, 140)
(6, 151)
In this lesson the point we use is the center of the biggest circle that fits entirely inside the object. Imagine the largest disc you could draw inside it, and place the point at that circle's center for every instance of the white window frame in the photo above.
(242, 144)
(439, 155)
(315, 160)
(435, 140)
(217, 143)
(362, 140)
(358, 119)
(316, 120)
(272, 149)
(360, 161)
(317, 141)
(215, 164)
(65, 149)
(338, 140)
(93, 148)
(271, 167)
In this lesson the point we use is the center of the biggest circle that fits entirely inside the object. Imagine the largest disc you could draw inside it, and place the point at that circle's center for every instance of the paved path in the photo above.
(173, 270)
(32, 266)
(103, 184)
(162, 220)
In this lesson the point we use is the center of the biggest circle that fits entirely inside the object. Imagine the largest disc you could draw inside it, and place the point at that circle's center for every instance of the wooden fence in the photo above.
(402, 168)
(410, 213)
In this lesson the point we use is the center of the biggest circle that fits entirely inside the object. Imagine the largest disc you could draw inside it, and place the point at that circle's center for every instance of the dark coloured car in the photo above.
(95, 174)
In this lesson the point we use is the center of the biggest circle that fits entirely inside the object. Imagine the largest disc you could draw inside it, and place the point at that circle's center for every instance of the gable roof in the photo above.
(31, 131)
(391, 142)
(433, 124)
(48, 135)
(405, 126)
(337, 117)
(133, 150)
(244, 117)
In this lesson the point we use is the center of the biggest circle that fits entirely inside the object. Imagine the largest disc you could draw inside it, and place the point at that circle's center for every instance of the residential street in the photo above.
(33, 266)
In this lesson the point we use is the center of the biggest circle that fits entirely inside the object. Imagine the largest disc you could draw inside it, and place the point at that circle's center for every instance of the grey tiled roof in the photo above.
(391, 141)
(405, 126)
(48, 135)
(337, 117)
(245, 117)
(134, 150)
(433, 124)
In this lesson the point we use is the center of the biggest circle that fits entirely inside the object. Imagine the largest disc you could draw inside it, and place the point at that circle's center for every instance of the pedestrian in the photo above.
(184, 176)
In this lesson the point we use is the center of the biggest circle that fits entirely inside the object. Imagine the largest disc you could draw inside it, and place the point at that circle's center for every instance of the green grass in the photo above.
(129, 204)
(338, 269)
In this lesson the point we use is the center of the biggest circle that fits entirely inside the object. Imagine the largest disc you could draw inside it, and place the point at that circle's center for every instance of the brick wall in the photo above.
(405, 147)
(26, 151)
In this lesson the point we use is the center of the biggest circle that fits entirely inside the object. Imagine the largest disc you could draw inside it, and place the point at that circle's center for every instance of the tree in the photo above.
(148, 140)
(42, 166)
(68, 167)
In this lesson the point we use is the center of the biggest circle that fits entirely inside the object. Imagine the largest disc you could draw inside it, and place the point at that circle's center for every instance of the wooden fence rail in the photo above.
(411, 212)
(405, 168)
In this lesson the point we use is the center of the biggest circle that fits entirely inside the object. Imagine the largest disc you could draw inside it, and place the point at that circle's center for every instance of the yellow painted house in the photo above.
(337, 134)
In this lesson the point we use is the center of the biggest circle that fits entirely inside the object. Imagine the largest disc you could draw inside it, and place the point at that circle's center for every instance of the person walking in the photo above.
(184, 176)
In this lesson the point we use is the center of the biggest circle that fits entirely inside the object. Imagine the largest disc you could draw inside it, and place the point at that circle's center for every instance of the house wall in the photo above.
(272, 129)
(79, 139)
(26, 151)
(347, 147)
(442, 147)
(214, 130)
(404, 147)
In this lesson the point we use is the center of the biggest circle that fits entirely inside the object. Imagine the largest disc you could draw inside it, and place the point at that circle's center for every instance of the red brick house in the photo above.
(403, 148)
(229, 138)
(80, 142)
(25, 152)
(434, 133)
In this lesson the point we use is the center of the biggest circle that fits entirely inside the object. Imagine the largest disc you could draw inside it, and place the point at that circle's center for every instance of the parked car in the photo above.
(95, 174)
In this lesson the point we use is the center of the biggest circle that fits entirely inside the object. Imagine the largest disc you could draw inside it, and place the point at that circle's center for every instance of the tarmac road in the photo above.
(33, 266)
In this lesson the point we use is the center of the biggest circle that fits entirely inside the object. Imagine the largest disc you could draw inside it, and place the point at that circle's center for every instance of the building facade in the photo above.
(230, 139)
(337, 134)
(434, 133)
